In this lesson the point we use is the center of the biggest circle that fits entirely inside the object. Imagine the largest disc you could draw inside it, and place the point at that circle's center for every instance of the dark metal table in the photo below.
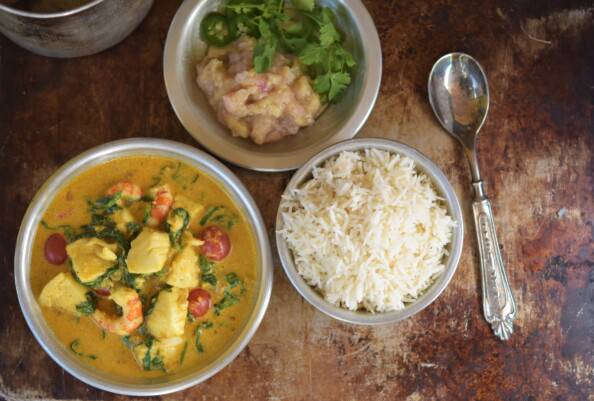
(536, 152)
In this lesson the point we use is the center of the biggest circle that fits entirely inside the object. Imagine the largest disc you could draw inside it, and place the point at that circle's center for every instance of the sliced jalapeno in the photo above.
(217, 30)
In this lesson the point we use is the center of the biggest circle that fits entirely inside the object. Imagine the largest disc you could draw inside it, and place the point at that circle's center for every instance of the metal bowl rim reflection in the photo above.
(59, 14)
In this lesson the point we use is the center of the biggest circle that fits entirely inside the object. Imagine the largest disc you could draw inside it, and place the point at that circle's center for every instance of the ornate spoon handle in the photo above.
(499, 306)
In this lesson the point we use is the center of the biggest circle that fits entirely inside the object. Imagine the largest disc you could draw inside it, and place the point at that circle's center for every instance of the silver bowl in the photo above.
(444, 189)
(32, 312)
(184, 49)
(80, 31)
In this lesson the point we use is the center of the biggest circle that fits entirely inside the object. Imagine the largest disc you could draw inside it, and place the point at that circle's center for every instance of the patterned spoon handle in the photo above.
(499, 306)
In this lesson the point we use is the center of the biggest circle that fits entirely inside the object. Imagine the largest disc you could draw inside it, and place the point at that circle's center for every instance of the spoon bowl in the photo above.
(459, 96)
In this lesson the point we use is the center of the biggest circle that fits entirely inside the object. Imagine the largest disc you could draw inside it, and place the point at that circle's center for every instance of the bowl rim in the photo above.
(438, 179)
(53, 15)
(109, 151)
(278, 161)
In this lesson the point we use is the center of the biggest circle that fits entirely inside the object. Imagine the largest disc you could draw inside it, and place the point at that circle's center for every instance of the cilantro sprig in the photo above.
(297, 27)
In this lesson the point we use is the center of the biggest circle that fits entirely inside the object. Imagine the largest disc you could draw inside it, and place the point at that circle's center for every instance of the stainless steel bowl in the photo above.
(184, 49)
(32, 311)
(81, 31)
(444, 189)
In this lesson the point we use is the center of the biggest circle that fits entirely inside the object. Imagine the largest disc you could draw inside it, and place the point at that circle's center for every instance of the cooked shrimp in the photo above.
(163, 199)
(131, 318)
(130, 191)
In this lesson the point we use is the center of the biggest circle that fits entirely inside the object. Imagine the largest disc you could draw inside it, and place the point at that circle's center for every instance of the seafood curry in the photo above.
(144, 266)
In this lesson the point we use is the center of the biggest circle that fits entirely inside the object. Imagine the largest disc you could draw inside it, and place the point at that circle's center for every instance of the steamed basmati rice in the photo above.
(368, 230)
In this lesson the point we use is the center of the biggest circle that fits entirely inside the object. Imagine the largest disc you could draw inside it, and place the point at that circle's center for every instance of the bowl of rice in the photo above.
(369, 231)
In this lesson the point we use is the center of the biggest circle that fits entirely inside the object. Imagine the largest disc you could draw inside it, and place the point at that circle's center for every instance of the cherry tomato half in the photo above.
(216, 243)
(102, 292)
(55, 249)
(199, 302)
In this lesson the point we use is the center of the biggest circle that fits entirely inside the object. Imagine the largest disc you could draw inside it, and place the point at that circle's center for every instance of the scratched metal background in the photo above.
(536, 154)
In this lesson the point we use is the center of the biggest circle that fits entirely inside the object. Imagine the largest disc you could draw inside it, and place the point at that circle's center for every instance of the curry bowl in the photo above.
(453, 250)
(238, 330)
(184, 49)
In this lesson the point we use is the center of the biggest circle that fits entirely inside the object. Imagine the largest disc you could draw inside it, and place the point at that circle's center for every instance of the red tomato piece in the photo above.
(102, 292)
(199, 302)
(216, 243)
(55, 249)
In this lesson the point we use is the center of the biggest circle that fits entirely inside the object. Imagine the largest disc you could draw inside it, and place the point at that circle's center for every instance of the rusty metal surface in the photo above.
(536, 153)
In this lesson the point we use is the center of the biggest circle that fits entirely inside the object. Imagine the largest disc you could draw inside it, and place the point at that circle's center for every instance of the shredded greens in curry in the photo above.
(140, 270)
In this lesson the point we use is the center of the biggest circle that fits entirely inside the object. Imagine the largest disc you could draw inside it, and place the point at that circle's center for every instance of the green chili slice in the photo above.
(217, 30)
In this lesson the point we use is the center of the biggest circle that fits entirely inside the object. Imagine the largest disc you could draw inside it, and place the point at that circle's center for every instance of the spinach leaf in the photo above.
(97, 282)
(206, 271)
(102, 209)
(74, 348)
(183, 353)
(152, 363)
(175, 233)
(129, 342)
(209, 212)
(150, 304)
(67, 230)
(87, 307)
(230, 297)
(133, 229)
(219, 215)
(198, 332)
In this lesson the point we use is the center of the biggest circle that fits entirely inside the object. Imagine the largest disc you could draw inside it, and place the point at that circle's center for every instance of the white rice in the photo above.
(368, 230)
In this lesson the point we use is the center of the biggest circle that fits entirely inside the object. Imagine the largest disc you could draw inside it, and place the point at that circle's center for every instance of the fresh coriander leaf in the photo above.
(312, 54)
(305, 5)
(328, 35)
(322, 83)
(338, 82)
(265, 48)
(342, 57)
(294, 44)
(328, 32)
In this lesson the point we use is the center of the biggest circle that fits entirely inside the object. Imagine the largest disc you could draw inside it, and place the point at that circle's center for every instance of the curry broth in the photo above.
(70, 207)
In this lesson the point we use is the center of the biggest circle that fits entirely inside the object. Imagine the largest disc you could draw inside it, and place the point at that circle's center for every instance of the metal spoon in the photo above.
(459, 96)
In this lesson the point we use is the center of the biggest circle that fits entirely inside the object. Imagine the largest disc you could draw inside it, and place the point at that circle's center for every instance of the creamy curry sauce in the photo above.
(107, 351)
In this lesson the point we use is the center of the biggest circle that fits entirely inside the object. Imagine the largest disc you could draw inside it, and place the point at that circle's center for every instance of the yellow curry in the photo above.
(144, 266)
